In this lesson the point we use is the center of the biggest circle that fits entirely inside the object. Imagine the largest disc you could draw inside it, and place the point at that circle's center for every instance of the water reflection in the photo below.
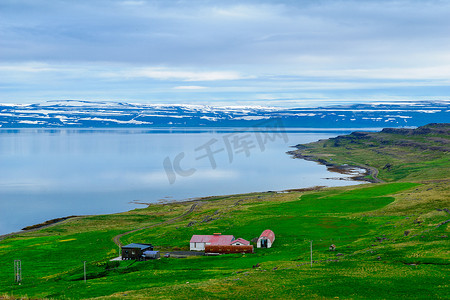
(47, 174)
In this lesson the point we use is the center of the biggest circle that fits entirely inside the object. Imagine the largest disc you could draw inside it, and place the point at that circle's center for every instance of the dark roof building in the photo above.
(135, 251)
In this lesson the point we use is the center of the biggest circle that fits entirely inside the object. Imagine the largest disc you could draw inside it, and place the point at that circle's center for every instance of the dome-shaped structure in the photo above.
(266, 239)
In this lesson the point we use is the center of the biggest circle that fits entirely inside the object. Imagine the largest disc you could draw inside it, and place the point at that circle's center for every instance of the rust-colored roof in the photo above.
(213, 239)
(268, 234)
(242, 241)
(228, 249)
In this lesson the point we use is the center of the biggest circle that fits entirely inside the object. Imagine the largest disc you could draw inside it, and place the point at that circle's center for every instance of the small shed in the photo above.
(135, 251)
(240, 242)
(266, 239)
(150, 255)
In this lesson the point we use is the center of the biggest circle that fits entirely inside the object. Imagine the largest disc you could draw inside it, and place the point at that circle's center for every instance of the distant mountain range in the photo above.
(90, 114)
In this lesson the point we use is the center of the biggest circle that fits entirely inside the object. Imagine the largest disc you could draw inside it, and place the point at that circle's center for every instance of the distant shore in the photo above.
(370, 174)
(38, 226)
(56, 221)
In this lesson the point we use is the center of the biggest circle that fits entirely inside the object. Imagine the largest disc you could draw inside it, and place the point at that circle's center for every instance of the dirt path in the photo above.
(374, 172)
(116, 239)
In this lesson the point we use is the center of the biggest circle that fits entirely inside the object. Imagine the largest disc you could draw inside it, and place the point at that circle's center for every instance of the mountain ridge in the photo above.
(104, 114)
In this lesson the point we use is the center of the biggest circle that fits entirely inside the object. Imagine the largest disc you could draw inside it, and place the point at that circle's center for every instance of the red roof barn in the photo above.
(198, 242)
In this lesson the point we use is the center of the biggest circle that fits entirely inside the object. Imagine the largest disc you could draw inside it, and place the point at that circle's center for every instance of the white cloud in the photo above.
(249, 49)
(189, 87)
(173, 74)
(245, 11)
(132, 3)
(27, 68)
(441, 72)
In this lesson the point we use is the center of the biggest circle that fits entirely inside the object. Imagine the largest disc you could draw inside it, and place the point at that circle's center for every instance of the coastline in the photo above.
(206, 198)
(39, 226)
(335, 168)
(370, 174)
(56, 221)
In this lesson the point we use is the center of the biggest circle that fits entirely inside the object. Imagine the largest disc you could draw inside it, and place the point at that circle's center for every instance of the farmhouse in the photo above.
(266, 239)
(198, 242)
(135, 251)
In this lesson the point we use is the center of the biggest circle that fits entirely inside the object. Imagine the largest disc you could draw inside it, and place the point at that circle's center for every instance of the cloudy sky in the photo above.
(281, 53)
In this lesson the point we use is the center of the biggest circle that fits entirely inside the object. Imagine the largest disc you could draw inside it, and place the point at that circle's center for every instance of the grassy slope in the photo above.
(366, 223)
(412, 155)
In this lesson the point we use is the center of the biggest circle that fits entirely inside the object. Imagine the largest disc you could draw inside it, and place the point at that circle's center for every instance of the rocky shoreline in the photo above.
(370, 174)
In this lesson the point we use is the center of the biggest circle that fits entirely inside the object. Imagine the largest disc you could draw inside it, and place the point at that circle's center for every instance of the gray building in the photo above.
(151, 255)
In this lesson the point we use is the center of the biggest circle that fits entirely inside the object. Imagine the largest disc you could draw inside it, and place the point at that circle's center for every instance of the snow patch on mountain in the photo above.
(93, 114)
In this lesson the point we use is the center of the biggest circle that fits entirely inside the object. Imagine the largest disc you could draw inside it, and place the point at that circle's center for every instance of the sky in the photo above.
(271, 53)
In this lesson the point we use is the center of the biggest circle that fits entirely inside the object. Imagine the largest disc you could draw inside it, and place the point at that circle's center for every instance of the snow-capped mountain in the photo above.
(90, 114)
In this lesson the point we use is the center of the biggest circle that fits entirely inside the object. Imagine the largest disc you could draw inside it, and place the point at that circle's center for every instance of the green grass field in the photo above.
(391, 243)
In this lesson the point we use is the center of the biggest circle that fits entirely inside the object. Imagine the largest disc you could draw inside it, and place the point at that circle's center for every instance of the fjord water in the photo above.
(47, 173)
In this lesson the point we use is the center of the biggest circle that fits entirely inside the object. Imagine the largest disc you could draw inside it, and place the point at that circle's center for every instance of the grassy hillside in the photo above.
(391, 238)
(398, 154)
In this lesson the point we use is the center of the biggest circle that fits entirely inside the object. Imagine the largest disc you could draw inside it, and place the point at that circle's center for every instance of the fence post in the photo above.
(17, 271)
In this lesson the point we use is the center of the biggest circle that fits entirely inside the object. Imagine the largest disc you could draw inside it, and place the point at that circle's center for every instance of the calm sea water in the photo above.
(47, 174)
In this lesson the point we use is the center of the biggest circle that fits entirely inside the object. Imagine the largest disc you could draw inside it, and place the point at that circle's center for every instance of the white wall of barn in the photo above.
(258, 243)
(198, 246)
